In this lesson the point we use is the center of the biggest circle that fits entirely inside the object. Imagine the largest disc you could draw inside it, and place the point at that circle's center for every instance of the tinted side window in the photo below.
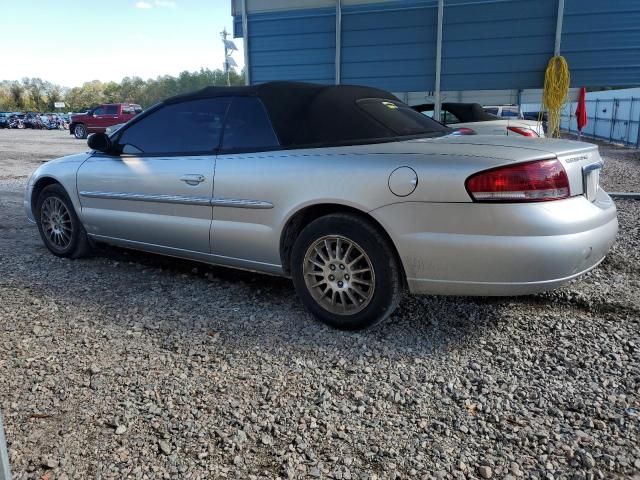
(99, 111)
(188, 127)
(448, 118)
(111, 110)
(492, 111)
(248, 126)
(509, 112)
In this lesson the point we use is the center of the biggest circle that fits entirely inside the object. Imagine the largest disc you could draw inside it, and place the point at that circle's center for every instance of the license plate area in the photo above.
(591, 180)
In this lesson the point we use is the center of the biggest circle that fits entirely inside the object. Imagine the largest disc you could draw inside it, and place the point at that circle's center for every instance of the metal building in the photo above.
(411, 45)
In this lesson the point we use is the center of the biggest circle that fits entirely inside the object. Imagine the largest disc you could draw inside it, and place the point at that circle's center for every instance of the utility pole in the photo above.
(229, 48)
(224, 34)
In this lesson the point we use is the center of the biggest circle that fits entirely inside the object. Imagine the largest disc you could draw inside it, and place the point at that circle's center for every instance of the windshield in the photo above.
(400, 118)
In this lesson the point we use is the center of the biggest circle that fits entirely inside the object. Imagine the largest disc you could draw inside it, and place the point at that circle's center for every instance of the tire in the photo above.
(365, 292)
(60, 229)
(80, 131)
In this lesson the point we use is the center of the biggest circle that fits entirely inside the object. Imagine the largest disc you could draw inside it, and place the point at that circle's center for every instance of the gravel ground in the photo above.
(622, 166)
(129, 365)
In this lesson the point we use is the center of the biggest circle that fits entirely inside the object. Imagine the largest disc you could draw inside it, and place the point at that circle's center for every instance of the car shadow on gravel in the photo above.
(243, 308)
(246, 309)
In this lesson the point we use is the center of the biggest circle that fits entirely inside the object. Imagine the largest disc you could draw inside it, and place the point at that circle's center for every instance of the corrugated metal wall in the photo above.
(487, 44)
(295, 45)
(497, 44)
(391, 45)
(601, 41)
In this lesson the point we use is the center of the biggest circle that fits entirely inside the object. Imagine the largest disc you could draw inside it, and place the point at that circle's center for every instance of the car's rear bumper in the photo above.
(500, 249)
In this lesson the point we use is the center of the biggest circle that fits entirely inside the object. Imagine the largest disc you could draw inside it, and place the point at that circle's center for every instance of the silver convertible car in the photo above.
(345, 189)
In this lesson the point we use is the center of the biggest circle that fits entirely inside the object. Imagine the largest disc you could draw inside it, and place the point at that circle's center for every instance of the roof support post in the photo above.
(5, 471)
(559, 19)
(338, 41)
(245, 37)
(437, 101)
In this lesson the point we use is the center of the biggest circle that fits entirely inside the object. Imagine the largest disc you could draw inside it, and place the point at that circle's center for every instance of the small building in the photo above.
(498, 49)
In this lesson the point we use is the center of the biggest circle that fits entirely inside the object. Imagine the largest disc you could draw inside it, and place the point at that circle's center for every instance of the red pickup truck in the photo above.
(99, 118)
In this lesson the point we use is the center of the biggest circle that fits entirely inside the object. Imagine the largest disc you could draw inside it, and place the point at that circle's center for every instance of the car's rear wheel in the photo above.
(58, 224)
(80, 131)
(345, 272)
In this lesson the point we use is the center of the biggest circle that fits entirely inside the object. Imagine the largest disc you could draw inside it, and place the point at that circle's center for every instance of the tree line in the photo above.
(35, 94)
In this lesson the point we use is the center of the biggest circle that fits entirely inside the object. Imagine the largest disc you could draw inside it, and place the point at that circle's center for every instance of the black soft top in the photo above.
(465, 112)
(306, 114)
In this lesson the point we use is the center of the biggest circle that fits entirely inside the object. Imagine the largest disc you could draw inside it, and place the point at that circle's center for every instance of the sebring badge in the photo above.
(576, 159)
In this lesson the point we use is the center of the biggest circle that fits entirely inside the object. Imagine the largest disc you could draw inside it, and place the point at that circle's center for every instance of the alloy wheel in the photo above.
(56, 223)
(339, 275)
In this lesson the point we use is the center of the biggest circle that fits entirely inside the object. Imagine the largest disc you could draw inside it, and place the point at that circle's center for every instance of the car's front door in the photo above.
(99, 118)
(243, 196)
(157, 189)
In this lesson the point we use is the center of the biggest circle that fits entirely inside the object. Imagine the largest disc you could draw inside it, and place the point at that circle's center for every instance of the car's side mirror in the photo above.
(100, 142)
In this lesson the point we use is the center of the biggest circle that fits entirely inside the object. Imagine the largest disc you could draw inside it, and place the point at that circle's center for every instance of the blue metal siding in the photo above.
(487, 44)
(293, 46)
(390, 46)
(601, 42)
(494, 45)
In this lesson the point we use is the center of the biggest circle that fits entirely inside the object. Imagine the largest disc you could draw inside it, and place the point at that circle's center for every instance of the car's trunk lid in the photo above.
(581, 160)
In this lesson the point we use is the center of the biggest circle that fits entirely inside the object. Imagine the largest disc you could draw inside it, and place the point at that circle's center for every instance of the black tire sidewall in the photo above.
(84, 132)
(383, 259)
(78, 230)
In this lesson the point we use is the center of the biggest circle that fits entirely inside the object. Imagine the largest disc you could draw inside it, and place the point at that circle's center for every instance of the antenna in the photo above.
(229, 48)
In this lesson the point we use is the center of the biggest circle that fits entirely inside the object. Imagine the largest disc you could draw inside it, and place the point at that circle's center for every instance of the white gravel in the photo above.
(131, 365)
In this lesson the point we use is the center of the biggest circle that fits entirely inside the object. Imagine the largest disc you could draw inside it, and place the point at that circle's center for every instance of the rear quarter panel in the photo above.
(357, 177)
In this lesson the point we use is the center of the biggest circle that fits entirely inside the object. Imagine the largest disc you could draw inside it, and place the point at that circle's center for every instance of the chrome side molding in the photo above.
(183, 200)
(240, 203)
(143, 197)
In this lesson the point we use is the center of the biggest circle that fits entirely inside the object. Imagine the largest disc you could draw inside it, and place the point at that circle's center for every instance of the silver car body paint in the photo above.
(447, 243)
(500, 127)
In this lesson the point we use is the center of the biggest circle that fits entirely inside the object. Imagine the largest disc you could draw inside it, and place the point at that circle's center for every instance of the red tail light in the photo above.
(536, 181)
(527, 132)
(463, 131)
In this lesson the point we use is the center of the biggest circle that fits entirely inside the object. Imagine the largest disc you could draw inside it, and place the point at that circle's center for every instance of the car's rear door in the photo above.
(158, 190)
(242, 231)
(99, 118)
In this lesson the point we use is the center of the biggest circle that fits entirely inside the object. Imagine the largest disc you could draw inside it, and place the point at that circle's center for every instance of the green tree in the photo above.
(40, 95)
(17, 95)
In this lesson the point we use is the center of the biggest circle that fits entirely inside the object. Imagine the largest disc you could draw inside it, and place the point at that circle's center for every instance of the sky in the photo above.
(70, 42)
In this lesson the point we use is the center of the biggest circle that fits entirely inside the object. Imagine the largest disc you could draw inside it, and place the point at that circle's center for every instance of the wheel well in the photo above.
(38, 187)
(307, 215)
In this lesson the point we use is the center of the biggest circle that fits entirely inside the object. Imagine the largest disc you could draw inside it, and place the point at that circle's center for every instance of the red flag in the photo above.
(581, 111)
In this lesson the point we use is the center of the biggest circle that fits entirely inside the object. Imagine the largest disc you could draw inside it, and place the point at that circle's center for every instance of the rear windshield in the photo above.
(400, 118)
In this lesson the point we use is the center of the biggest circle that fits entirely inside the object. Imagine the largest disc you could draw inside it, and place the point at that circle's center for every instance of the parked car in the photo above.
(345, 189)
(103, 116)
(32, 120)
(4, 119)
(542, 117)
(504, 111)
(472, 115)
(16, 120)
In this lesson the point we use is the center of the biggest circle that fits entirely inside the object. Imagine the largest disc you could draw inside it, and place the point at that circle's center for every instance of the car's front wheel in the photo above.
(58, 224)
(80, 131)
(346, 272)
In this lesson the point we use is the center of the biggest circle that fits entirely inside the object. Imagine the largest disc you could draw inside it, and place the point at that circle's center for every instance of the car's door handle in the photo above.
(192, 178)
